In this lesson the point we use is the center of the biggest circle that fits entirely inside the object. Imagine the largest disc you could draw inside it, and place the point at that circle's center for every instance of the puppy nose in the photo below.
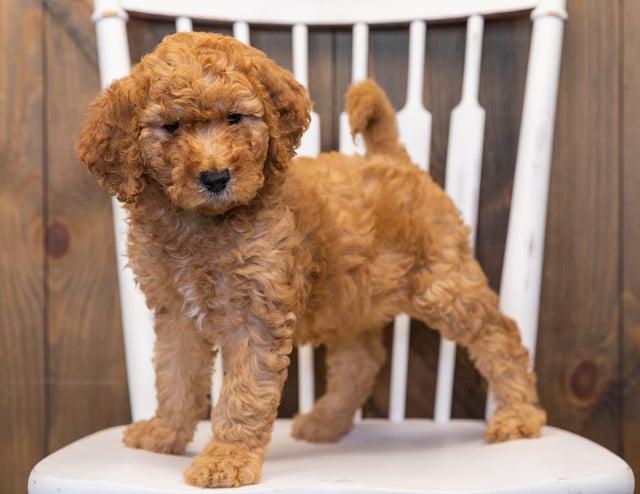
(214, 180)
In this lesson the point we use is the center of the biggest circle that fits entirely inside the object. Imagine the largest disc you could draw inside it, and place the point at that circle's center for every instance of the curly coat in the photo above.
(238, 246)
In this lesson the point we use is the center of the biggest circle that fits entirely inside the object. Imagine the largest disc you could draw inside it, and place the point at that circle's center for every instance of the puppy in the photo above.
(237, 246)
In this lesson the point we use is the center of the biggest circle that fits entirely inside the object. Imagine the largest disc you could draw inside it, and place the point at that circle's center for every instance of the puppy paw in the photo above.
(225, 465)
(515, 422)
(320, 427)
(155, 435)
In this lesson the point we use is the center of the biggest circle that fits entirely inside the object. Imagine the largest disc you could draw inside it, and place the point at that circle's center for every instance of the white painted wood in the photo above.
(306, 383)
(466, 133)
(300, 49)
(137, 327)
(462, 183)
(327, 12)
(522, 269)
(110, 22)
(415, 456)
(444, 381)
(349, 144)
(414, 125)
(310, 145)
(359, 60)
(241, 32)
(113, 13)
(184, 25)
(113, 53)
(414, 121)
(399, 368)
(217, 378)
(523, 258)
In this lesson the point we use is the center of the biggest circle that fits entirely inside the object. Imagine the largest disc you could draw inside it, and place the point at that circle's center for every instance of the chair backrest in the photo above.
(522, 266)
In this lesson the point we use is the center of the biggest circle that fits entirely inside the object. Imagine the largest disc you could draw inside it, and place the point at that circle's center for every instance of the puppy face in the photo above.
(203, 137)
(204, 118)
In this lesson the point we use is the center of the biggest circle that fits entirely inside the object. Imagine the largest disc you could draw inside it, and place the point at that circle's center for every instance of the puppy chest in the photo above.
(216, 292)
(219, 276)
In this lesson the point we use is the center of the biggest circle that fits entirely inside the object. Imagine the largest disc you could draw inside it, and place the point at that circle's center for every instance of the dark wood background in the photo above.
(61, 356)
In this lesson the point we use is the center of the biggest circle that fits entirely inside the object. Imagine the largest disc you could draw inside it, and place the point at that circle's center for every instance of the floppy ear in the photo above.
(288, 112)
(108, 142)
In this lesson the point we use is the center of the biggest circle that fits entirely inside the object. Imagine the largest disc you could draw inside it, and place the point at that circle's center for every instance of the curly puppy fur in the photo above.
(237, 246)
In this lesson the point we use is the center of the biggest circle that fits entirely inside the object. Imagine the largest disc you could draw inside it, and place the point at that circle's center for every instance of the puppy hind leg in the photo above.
(500, 356)
(456, 300)
(352, 367)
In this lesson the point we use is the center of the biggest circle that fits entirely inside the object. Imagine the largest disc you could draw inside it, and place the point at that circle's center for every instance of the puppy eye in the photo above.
(172, 127)
(233, 118)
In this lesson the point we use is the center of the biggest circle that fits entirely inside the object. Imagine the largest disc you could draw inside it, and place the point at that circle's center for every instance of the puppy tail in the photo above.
(372, 116)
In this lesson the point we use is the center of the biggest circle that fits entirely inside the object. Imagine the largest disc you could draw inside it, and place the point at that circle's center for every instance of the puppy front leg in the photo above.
(256, 359)
(183, 365)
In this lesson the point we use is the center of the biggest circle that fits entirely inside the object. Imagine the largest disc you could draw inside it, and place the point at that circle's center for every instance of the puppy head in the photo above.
(205, 118)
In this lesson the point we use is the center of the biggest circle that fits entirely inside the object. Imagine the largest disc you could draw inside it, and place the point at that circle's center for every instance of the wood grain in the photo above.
(630, 426)
(86, 374)
(23, 400)
(578, 356)
(62, 371)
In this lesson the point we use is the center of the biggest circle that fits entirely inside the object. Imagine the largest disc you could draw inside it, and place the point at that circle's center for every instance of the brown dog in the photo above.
(237, 246)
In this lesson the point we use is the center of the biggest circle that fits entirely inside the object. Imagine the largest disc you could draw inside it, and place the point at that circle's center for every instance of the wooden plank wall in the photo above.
(629, 380)
(62, 367)
(22, 296)
(584, 237)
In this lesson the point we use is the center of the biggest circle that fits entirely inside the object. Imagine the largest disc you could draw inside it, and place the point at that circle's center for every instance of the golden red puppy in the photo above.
(238, 246)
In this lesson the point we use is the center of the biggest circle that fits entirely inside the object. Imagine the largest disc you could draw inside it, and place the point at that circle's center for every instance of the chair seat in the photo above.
(427, 458)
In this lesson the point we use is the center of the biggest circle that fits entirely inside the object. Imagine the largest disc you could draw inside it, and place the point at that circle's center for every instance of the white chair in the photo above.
(395, 455)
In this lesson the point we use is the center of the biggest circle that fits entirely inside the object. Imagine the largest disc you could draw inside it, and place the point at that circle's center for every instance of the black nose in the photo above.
(214, 180)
